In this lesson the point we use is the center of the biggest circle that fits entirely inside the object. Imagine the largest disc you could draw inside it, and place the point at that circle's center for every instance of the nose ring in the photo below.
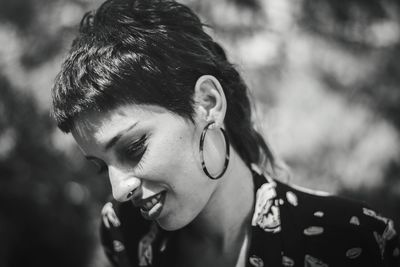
(130, 194)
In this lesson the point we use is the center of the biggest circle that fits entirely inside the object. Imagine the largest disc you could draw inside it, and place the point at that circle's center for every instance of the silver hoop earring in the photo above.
(201, 151)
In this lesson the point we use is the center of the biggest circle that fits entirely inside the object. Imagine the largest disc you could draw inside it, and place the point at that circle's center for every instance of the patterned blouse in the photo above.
(290, 227)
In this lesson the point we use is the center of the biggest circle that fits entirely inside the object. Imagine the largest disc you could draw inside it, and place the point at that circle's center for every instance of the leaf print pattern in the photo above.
(354, 220)
(118, 246)
(353, 253)
(319, 214)
(145, 252)
(266, 214)
(310, 261)
(270, 222)
(389, 232)
(381, 243)
(292, 198)
(373, 214)
(287, 262)
(108, 216)
(313, 230)
(281, 234)
(256, 261)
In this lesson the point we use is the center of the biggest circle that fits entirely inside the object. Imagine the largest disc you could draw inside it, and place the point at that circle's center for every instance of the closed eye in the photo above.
(135, 150)
(130, 153)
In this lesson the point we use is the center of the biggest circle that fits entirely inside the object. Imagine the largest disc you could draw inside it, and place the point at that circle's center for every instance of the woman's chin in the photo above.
(170, 224)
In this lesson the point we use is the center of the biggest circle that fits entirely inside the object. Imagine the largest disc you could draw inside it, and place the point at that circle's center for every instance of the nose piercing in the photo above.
(130, 194)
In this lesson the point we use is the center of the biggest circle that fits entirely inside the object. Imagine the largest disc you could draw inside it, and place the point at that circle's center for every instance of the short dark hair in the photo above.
(150, 52)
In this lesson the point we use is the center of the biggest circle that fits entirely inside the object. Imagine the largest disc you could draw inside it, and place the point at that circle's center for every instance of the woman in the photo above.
(152, 100)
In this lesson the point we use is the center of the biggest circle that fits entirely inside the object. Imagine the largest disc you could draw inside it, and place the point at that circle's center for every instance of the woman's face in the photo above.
(154, 153)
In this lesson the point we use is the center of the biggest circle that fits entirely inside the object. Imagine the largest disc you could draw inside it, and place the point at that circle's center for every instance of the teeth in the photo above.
(147, 205)
(151, 202)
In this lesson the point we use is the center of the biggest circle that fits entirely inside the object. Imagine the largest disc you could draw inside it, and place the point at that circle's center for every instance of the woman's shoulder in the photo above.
(337, 226)
(329, 208)
(317, 203)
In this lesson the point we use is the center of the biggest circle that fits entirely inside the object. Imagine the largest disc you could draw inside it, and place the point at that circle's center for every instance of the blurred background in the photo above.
(324, 75)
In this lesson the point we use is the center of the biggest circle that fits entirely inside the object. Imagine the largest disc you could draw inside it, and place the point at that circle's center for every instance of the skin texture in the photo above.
(170, 162)
(210, 218)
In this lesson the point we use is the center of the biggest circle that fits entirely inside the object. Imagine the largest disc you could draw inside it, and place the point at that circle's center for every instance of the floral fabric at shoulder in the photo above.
(145, 249)
(388, 239)
(266, 213)
(109, 216)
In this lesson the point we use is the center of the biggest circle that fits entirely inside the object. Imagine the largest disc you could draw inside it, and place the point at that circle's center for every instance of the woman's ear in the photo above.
(210, 101)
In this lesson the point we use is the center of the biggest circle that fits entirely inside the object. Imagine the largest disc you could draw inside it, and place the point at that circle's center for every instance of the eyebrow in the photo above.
(118, 136)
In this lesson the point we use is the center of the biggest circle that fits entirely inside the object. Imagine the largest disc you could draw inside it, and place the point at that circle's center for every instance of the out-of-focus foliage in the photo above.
(367, 32)
(49, 199)
(44, 215)
(324, 75)
(18, 12)
(369, 29)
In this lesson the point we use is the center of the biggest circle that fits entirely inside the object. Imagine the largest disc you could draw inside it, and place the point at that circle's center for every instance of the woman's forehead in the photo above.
(99, 125)
(106, 122)
(124, 112)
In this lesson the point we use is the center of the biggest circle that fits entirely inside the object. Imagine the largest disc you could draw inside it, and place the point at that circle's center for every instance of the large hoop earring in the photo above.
(203, 164)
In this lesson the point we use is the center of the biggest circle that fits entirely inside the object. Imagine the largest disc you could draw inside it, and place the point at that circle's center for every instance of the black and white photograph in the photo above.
(199, 133)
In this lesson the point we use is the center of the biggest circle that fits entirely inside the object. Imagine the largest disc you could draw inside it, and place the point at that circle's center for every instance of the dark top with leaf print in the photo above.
(290, 227)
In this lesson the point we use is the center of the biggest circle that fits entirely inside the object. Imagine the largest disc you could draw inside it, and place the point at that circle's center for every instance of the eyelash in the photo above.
(135, 151)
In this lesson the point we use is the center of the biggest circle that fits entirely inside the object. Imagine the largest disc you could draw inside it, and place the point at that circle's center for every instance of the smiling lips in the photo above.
(151, 207)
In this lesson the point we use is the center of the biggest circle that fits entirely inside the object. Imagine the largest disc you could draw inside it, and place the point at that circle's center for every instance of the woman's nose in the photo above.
(122, 183)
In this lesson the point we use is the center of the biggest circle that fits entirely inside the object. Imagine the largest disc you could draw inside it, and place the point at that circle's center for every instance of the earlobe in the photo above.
(210, 99)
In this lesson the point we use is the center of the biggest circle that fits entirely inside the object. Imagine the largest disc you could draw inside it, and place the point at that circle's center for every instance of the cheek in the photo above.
(174, 150)
(166, 154)
(169, 159)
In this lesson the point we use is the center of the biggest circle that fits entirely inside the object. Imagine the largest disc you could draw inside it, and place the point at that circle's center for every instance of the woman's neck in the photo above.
(224, 223)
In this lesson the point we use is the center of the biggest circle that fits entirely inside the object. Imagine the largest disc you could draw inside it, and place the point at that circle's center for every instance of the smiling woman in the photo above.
(149, 153)
(153, 101)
